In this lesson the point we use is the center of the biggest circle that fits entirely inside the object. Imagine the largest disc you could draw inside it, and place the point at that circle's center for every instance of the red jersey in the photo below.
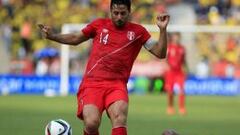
(175, 56)
(114, 49)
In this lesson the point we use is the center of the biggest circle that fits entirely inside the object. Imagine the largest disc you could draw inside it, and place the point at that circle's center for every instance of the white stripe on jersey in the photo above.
(113, 52)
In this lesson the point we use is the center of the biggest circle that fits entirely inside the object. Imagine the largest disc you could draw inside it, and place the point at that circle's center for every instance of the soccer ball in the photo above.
(58, 127)
(170, 132)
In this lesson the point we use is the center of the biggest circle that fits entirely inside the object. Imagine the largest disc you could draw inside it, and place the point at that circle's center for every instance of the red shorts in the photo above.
(172, 78)
(101, 94)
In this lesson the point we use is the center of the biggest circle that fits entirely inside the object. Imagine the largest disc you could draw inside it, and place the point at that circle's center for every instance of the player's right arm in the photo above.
(70, 39)
(159, 48)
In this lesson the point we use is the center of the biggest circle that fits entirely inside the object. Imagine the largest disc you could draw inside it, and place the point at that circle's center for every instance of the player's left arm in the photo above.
(159, 48)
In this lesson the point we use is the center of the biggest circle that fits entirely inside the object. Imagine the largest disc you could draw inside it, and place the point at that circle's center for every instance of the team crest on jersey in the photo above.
(130, 35)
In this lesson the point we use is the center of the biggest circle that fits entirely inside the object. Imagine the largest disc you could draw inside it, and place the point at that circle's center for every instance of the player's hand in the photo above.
(162, 20)
(46, 31)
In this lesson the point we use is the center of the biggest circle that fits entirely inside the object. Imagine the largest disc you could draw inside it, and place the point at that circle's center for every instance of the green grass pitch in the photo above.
(207, 115)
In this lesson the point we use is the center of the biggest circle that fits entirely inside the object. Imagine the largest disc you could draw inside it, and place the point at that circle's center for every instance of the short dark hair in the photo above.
(121, 2)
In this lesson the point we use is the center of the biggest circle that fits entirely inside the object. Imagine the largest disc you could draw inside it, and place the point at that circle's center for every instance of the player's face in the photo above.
(176, 38)
(119, 14)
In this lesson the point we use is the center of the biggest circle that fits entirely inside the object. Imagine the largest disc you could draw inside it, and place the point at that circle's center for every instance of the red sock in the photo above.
(85, 133)
(182, 101)
(119, 131)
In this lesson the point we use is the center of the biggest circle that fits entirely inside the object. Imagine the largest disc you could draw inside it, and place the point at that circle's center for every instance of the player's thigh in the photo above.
(90, 102)
(116, 104)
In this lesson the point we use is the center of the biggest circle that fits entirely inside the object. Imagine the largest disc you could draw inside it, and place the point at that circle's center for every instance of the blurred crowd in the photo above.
(218, 12)
(21, 39)
(220, 55)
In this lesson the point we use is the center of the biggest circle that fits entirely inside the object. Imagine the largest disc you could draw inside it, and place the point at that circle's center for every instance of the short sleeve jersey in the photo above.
(114, 49)
(175, 56)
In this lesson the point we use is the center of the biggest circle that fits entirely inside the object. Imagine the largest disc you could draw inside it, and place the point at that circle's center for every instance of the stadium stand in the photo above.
(21, 38)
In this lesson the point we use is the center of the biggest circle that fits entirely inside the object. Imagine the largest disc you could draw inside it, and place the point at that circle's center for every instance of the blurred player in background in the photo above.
(116, 44)
(175, 76)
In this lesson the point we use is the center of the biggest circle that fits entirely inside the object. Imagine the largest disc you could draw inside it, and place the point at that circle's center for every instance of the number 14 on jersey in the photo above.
(104, 38)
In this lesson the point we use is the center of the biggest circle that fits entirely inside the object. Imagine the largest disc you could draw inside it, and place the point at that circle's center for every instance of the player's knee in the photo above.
(92, 124)
(92, 118)
(120, 119)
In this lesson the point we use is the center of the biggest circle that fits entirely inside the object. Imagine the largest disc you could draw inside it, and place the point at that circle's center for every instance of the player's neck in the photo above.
(120, 27)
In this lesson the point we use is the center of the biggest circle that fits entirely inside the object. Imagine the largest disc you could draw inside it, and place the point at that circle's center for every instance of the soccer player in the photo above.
(175, 76)
(116, 44)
